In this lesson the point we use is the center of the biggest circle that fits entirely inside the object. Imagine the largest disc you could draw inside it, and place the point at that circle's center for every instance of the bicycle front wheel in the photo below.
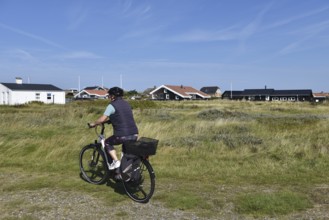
(93, 165)
(142, 190)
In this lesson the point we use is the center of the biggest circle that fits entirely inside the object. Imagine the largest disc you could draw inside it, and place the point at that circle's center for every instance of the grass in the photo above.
(272, 204)
(244, 148)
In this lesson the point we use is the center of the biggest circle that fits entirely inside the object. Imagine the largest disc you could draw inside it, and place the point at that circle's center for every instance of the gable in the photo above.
(95, 88)
(210, 89)
(185, 92)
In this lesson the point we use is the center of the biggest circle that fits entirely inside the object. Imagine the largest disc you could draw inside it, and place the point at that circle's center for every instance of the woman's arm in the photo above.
(99, 121)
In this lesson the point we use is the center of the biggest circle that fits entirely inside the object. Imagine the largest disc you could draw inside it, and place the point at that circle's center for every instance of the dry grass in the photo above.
(203, 145)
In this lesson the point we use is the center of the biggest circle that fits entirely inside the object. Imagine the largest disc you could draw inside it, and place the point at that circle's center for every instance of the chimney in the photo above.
(19, 80)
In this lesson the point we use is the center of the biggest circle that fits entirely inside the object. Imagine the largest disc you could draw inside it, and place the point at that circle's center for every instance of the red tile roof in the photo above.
(186, 90)
(96, 92)
(321, 94)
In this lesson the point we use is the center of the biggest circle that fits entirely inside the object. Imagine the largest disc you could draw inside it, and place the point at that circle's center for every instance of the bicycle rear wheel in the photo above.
(93, 164)
(143, 189)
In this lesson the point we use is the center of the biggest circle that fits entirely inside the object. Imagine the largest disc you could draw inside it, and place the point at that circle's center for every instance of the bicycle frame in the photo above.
(101, 140)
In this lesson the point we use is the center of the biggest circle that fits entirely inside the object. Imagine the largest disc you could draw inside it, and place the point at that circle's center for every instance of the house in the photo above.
(233, 95)
(71, 92)
(270, 95)
(95, 92)
(257, 94)
(320, 96)
(21, 93)
(213, 91)
(168, 92)
(300, 95)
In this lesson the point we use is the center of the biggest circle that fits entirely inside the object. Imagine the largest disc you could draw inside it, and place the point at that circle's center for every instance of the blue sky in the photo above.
(238, 44)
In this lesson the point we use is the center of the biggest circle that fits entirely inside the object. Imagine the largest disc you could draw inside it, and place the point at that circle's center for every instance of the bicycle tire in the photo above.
(142, 190)
(93, 165)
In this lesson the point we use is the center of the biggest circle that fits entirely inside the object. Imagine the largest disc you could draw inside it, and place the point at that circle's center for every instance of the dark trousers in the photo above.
(116, 140)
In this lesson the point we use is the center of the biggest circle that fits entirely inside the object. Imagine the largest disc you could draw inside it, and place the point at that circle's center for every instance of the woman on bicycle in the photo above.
(124, 127)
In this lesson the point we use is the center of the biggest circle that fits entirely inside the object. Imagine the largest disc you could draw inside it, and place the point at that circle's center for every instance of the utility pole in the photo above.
(231, 91)
(79, 86)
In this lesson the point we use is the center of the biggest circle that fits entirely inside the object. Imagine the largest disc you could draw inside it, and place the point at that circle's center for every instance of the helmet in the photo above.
(116, 91)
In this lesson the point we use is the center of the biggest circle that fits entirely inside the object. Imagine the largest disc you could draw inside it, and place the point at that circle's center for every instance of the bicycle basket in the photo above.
(142, 147)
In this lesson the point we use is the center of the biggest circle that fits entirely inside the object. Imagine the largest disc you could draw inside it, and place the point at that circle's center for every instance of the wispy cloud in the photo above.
(80, 55)
(140, 12)
(77, 16)
(22, 55)
(199, 35)
(305, 34)
(142, 32)
(253, 26)
(31, 36)
(234, 32)
(295, 18)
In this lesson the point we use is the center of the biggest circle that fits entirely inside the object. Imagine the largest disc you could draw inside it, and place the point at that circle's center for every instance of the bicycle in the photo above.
(94, 165)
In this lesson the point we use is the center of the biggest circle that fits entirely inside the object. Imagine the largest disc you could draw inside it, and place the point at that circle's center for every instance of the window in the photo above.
(37, 96)
(48, 96)
(167, 96)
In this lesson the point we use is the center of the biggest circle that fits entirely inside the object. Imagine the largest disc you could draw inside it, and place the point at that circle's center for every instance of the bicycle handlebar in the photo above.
(102, 124)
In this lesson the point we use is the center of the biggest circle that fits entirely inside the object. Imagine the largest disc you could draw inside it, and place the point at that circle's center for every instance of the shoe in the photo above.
(115, 164)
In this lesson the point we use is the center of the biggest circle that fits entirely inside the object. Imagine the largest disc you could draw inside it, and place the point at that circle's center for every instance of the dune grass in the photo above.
(210, 153)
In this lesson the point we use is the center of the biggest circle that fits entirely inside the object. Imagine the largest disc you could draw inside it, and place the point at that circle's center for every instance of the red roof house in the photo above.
(168, 92)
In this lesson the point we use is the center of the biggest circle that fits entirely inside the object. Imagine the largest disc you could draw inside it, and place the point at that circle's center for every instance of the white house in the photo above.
(94, 92)
(20, 93)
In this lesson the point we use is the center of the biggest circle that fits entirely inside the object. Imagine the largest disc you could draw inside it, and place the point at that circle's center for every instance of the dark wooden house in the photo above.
(270, 95)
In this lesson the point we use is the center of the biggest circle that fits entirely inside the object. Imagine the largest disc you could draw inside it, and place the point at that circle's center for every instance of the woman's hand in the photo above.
(91, 125)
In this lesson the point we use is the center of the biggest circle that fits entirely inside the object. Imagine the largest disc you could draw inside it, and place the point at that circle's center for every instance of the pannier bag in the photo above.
(142, 147)
(130, 168)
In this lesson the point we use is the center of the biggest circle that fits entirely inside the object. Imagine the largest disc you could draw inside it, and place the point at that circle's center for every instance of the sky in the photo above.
(139, 44)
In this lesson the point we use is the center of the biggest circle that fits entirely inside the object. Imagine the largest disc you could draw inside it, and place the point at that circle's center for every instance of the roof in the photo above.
(293, 92)
(94, 88)
(183, 91)
(270, 92)
(31, 87)
(233, 93)
(321, 94)
(187, 91)
(92, 92)
(258, 91)
(209, 89)
(96, 92)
